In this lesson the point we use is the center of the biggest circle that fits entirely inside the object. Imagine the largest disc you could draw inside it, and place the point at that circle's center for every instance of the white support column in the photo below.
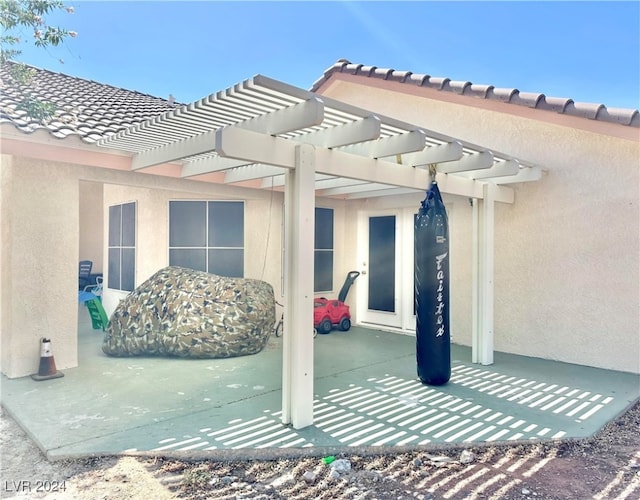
(297, 368)
(482, 281)
(475, 279)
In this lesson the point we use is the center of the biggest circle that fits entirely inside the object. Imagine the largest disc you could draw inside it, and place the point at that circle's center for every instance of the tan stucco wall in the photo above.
(567, 253)
(39, 264)
(91, 218)
(5, 257)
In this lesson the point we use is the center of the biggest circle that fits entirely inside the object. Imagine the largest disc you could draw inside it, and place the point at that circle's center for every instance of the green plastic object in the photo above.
(99, 318)
(328, 460)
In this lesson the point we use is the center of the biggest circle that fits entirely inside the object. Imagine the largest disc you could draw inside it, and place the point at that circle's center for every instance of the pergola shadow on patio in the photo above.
(366, 395)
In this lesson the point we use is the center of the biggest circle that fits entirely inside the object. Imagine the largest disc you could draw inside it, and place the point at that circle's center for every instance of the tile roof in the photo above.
(599, 112)
(93, 110)
(84, 108)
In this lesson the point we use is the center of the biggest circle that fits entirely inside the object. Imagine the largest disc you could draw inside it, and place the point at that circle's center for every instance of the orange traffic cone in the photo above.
(47, 368)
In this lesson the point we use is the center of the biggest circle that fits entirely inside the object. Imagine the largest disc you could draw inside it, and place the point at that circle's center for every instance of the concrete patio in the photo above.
(366, 395)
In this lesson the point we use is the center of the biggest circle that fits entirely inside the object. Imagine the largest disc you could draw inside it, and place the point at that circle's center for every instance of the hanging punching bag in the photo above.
(433, 340)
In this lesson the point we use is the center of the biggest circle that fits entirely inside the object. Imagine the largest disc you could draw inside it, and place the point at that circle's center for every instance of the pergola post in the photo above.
(297, 358)
(482, 280)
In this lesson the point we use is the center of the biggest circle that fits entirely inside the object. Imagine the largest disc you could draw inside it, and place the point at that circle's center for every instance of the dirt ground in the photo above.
(604, 467)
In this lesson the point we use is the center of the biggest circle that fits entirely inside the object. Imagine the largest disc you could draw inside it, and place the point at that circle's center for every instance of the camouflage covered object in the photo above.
(187, 313)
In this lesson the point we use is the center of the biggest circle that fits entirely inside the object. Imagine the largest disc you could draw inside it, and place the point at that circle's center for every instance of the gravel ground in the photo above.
(606, 466)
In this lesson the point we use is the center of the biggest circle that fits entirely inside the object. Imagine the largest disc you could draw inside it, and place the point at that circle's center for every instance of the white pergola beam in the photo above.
(275, 181)
(178, 150)
(389, 146)
(499, 169)
(335, 182)
(278, 180)
(298, 116)
(383, 192)
(337, 163)
(208, 165)
(360, 187)
(441, 153)
(454, 184)
(250, 172)
(366, 129)
(298, 359)
(526, 174)
(475, 161)
(232, 142)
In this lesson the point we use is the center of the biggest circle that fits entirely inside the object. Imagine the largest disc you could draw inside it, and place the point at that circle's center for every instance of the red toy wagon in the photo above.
(331, 313)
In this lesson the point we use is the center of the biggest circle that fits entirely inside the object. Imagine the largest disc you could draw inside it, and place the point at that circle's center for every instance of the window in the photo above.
(323, 254)
(207, 236)
(122, 246)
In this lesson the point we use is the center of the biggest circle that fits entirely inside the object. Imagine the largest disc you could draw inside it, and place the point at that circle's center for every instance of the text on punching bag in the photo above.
(439, 297)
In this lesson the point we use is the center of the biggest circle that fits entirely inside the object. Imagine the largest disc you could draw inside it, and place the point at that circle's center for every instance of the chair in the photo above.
(95, 289)
(84, 273)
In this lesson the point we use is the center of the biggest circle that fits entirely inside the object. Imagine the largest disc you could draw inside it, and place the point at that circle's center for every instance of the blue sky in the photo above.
(586, 51)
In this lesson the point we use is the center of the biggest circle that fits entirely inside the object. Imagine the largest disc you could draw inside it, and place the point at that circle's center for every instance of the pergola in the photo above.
(279, 135)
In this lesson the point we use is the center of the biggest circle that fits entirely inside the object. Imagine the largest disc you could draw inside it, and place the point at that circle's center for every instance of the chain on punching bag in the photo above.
(433, 339)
